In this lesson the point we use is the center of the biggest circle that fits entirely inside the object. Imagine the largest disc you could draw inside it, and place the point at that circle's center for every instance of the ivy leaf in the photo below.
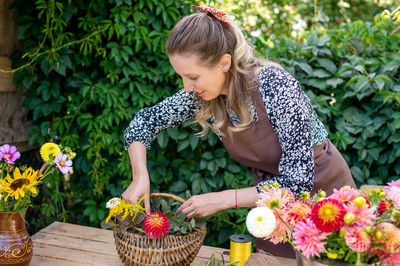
(321, 73)
(396, 123)
(334, 82)
(306, 68)
(233, 168)
(164, 206)
(178, 186)
(328, 65)
(207, 155)
(361, 83)
(357, 174)
(194, 141)
(183, 144)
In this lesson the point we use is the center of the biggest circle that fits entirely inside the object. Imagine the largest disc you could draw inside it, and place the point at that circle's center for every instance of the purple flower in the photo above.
(63, 163)
(10, 153)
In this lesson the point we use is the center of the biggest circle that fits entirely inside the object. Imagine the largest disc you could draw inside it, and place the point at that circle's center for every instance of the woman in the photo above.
(258, 110)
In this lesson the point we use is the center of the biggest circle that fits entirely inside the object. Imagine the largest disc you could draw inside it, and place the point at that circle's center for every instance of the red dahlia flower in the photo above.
(328, 215)
(156, 224)
(383, 206)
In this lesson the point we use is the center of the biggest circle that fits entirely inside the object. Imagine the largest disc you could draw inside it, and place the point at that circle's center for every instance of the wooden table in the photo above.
(72, 245)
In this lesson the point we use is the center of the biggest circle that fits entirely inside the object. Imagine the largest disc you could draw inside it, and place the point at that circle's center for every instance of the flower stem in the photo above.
(358, 262)
(284, 222)
(287, 239)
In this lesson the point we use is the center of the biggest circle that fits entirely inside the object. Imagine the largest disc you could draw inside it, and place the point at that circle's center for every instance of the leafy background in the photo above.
(92, 65)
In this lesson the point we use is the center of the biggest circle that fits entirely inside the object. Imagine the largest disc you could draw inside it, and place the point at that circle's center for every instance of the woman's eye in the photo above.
(193, 79)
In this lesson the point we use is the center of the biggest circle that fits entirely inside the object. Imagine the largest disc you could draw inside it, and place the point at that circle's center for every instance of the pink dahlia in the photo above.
(63, 163)
(386, 258)
(393, 194)
(155, 224)
(281, 227)
(357, 239)
(392, 259)
(394, 183)
(9, 153)
(298, 210)
(388, 235)
(345, 194)
(275, 198)
(328, 215)
(364, 216)
(308, 239)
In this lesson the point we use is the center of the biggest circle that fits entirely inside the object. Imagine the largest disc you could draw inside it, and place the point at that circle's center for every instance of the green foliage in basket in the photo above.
(133, 216)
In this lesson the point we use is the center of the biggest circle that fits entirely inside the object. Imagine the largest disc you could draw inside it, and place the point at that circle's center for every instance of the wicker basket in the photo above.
(137, 249)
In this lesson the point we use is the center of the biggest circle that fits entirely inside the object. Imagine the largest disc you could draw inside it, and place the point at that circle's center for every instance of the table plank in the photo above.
(70, 245)
(44, 261)
(79, 231)
(219, 253)
(76, 255)
(69, 242)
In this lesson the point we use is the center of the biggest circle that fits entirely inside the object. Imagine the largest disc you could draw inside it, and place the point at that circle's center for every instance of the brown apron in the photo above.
(258, 147)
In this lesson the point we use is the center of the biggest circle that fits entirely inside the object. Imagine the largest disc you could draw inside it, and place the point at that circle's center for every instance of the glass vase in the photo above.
(303, 261)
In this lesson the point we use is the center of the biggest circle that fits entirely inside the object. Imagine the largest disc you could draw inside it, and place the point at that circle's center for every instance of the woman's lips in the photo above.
(200, 94)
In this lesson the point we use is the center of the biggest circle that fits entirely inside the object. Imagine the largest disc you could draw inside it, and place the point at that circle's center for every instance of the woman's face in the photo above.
(207, 82)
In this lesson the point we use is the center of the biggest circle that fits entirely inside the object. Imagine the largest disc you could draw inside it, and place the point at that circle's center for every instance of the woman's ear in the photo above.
(225, 62)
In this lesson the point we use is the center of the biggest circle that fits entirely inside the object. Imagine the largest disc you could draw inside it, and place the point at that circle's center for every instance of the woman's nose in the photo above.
(188, 88)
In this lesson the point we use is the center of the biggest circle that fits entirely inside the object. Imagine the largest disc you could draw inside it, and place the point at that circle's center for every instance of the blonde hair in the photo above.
(207, 37)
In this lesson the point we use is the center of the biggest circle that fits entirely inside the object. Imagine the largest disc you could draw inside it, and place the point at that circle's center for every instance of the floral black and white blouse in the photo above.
(289, 111)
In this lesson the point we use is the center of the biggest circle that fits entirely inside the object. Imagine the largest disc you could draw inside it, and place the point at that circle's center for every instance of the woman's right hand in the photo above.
(139, 187)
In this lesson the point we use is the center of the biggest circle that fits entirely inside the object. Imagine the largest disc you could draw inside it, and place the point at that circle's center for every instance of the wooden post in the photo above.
(8, 33)
(6, 79)
(14, 126)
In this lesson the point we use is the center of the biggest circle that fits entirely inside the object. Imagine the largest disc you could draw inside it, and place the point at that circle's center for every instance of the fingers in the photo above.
(147, 204)
(183, 206)
(188, 209)
(191, 214)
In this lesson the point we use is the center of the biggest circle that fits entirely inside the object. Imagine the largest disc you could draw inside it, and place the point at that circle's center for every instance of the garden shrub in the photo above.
(86, 93)
(98, 62)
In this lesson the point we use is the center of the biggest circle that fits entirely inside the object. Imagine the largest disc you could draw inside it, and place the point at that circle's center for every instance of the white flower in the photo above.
(113, 202)
(261, 222)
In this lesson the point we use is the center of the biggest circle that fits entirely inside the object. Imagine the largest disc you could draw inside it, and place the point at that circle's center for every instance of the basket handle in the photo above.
(167, 195)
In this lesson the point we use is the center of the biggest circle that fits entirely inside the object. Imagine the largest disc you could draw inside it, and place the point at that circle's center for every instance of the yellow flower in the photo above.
(71, 155)
(360, 201)
(18, 185)
(124, 208)
(349, 218)
(332, 255)
(49, 151)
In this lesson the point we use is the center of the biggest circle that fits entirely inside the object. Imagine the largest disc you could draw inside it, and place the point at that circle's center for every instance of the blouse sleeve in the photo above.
(171, 112)
(290, 114)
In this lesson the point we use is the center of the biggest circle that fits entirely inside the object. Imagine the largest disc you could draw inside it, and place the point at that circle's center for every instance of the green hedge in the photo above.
(98, 62)
(352, 76)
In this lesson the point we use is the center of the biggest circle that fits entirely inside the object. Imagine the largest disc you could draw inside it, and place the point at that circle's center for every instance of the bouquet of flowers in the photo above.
(19, 184)
(163, 220)
(348, 226)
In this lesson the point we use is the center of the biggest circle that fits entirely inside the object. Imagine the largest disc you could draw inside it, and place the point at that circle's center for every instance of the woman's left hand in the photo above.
(202, 205)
